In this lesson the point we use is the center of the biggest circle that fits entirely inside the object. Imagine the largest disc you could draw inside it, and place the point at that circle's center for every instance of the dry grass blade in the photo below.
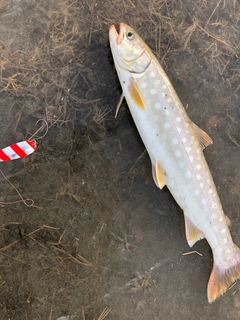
(22, 262)
(26, 236)
(5, 225)
(191, 252)
(79, 259)
(8, 246)
(92, 21)
(214, 10)
(139, 158)
(104, 313)
(231, 137)
(99, 116)
(233, 131)
(188, 34)
(227, 45)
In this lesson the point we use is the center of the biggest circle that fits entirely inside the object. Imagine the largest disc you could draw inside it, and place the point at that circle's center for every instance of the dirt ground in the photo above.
(100, 241)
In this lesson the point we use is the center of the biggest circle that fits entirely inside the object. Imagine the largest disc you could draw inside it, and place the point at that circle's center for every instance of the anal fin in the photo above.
(193, 234)
(159, 175)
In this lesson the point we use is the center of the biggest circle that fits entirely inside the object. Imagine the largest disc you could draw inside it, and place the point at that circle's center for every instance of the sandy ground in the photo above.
(100, 240)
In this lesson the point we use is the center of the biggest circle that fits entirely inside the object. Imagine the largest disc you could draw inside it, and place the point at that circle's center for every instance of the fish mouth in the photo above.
(116, 35)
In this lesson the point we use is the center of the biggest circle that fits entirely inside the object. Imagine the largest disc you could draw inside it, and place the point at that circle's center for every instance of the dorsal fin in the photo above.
(203, 137)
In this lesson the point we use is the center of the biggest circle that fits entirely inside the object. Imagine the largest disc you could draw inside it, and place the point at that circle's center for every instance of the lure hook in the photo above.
(40, 129)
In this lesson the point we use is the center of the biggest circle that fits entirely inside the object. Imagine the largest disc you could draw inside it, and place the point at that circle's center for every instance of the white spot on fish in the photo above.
(179, 129)
(215, 228)
(153, 91)
(144, 85)
(184, 140)
(198, 176)
(188, 174)
(157, 82)
(196, 192)
(158, 105)
(191, 158)
(169, 100)
(225, 240)
(228, 250)
(178, 153)
(213, 216)
(152, 74)
(178, 119)
(163, 94)
(201, 185)
(228, 258)
(214, 205)
(210, 191)
(166, 125)
(174, 141)
(220, 219)
(164, 86)
(223, 231)
(188, 149)
(167, 112)
(204, 202)
(181, 164)
(198, 167)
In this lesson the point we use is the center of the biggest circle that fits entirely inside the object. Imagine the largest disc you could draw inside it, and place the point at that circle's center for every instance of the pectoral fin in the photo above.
(193, 234)
(204, 138)
(119, 104)
(135, 94)
(159, 175)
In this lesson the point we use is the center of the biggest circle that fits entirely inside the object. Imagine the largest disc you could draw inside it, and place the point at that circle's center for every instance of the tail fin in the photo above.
(221, 279)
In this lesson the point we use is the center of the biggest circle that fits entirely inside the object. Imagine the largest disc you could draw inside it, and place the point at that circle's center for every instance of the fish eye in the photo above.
(130, 35)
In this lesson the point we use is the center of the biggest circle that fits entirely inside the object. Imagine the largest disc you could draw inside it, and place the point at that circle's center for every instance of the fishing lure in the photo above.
(22, 149)
(18, 150)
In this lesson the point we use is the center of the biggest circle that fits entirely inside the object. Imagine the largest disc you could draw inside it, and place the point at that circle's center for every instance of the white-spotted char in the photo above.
(174, 144)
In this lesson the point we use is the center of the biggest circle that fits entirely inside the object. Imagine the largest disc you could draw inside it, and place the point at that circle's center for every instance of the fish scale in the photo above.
(174, 144)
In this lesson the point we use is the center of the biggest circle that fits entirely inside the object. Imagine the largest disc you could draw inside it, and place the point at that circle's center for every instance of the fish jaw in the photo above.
(113, 34)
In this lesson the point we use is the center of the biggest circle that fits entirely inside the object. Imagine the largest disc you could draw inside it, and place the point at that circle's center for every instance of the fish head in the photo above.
(128, 49)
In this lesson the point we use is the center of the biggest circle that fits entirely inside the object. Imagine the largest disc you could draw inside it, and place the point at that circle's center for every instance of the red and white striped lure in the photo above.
(18, 150)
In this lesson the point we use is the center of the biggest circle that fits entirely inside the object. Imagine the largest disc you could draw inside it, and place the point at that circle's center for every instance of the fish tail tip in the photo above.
(221, 279)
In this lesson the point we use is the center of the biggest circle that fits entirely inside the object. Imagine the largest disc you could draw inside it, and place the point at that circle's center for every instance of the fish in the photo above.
(175, 147)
